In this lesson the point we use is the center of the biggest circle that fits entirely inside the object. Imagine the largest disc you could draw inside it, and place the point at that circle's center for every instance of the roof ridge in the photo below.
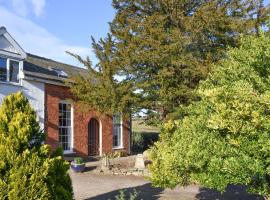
(51, 60)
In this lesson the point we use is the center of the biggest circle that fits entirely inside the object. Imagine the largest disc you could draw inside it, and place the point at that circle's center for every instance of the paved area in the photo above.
(91, 186)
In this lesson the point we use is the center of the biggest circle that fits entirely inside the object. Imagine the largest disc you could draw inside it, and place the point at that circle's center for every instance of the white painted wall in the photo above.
(34, 91)
(5, 45)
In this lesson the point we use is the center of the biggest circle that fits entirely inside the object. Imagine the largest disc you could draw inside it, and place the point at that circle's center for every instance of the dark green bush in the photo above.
(141, 141)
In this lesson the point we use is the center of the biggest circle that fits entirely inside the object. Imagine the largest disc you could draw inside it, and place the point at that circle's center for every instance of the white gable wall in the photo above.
(9, 47)
(35, 93)
(6, 45)
(33, 90)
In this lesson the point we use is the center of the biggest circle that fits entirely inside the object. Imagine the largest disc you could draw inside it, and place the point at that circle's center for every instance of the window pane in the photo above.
(68, 107)
(117, 132)
(115, 143)
(65, 126)
(64, 107)
(64, 122)
(14, 71)
(3, 69)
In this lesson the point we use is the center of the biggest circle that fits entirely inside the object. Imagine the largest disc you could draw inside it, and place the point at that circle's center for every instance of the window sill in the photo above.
(68, 152)
(10, 83)
(118, 148)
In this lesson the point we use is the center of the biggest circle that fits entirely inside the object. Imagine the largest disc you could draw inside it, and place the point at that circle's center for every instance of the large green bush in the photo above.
(27, 171)
(225, 137)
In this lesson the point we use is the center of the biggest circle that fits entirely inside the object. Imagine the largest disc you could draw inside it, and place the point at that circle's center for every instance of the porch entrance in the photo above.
(93, 137)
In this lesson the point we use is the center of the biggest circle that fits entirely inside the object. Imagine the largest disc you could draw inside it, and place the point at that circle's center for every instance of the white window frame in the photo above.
(121, 133)
(71, 126)
(8, 71)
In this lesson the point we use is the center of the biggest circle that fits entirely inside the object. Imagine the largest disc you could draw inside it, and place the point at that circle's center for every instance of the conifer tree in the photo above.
(163, 48)
(27, 171)
(168, 45)
(100, 88)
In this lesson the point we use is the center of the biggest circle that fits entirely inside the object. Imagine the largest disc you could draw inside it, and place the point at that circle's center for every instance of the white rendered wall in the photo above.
(34, 91)
(5, 45)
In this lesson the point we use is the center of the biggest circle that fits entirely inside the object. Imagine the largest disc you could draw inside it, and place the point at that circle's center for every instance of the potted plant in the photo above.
(78, 165)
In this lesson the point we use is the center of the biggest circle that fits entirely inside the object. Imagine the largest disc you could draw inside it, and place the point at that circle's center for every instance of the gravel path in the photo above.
(103, 187)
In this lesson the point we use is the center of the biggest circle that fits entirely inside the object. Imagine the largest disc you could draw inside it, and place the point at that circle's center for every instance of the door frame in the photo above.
(100, 135)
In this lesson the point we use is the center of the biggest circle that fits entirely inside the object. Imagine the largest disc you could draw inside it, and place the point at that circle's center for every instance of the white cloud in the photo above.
(38, 6)
(20, 7)
(25, 7)
(37, 40)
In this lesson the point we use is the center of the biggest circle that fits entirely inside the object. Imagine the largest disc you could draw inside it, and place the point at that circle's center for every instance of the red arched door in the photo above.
(93, 137)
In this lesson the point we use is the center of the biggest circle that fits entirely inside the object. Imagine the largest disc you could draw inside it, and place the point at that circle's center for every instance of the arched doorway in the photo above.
(93, 137)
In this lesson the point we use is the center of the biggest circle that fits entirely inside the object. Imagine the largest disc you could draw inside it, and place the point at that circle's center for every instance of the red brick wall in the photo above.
(53, 96)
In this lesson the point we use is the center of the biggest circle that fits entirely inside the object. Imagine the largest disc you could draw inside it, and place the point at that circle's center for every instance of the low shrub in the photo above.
(131, 196)
(141, 141)
(118, 154)
(78, 160)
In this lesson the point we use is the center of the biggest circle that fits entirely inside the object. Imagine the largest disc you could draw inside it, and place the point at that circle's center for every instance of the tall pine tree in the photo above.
(163, 48)
(100, 87)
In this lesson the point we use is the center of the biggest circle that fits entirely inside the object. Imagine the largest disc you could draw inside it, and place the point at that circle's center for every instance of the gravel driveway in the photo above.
(103, 187)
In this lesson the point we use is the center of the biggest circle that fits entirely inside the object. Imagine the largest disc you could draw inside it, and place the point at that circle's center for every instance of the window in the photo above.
(117, 131)
(9, 70)
(65, 126)
(61, 73)
(14, 71)
(3, 69)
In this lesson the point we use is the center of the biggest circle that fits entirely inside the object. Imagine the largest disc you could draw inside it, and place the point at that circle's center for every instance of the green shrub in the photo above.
(58, 152)
(27, 170)
(78, 160)
(142, 141)
(149, 139)
(224, 138)
(122, 196)
(137, 142)
(118, 154)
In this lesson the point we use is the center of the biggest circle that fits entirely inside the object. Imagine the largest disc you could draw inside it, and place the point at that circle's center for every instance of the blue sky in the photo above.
(50, 27)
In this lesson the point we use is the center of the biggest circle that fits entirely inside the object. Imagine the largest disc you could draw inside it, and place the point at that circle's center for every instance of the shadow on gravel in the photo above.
(89, 168)
(233, 192)
(146, 192)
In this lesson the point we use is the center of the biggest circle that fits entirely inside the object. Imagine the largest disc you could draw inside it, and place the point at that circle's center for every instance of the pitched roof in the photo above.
(36, 67)
(44, 68)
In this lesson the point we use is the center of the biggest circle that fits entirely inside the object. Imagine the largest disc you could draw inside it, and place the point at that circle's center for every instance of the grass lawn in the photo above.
(143, 136)
(139, 126)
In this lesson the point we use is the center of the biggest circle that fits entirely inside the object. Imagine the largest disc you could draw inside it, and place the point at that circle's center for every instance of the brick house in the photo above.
(80, 131)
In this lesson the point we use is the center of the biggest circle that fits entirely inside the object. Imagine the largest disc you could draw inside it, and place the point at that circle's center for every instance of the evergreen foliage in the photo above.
(27, 171)
(224, 138)
(99, 88)
(161, 49)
